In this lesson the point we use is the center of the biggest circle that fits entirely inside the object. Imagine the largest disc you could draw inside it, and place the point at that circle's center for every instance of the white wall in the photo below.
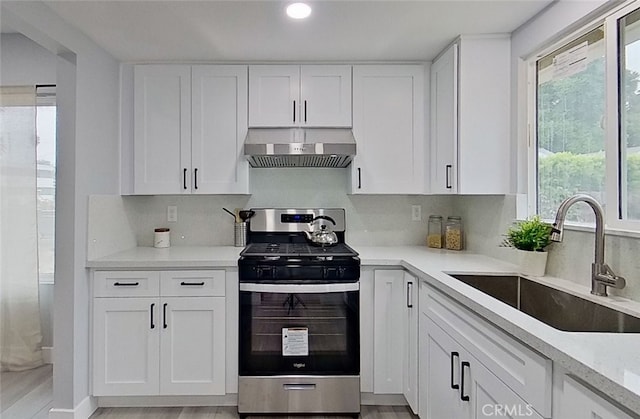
(88, 82)
(23, 62)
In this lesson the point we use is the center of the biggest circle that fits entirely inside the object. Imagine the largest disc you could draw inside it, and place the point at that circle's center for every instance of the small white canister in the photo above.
(161, 237)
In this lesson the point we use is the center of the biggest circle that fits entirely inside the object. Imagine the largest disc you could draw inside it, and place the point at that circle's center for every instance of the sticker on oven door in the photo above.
(295, 341)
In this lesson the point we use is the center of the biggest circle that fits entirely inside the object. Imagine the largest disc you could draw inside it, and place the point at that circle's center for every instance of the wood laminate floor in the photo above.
(230, 412)
(26, 394)
(29, 395)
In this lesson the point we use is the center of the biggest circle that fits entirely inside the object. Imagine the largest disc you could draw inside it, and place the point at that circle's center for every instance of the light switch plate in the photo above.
(416, 213)
(172, 213)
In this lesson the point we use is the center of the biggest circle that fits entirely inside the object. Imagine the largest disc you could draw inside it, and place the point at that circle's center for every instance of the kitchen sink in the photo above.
(556, 308)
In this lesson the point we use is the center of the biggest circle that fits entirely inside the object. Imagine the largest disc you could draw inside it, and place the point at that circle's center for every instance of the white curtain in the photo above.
(20, 333)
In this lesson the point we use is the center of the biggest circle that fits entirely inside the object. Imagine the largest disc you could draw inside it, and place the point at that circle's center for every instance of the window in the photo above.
(570, 125)
(46, 179)
(629, 105)
(587, 123)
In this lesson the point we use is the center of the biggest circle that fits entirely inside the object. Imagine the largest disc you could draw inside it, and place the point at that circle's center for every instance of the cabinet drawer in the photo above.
(192, 283)
(126, 284)
(525, 371)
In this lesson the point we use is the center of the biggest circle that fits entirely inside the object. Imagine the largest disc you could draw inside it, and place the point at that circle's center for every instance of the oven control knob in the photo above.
(262, 272)
(331, 273)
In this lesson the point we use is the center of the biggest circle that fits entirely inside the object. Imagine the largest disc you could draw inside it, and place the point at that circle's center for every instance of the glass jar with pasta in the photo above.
(434, 232)
(453, 236)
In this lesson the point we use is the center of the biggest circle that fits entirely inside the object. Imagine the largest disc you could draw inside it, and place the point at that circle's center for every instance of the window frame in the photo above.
(612, 120)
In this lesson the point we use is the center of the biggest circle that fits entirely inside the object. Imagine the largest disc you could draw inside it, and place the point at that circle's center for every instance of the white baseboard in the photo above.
(167, 401)
(47, 354)
(82, 411)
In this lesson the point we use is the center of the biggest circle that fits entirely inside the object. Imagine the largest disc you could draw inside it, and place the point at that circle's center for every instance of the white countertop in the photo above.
(170, 257)
(609, 362)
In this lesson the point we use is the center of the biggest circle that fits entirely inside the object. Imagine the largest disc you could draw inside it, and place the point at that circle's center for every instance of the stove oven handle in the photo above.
(300, 288)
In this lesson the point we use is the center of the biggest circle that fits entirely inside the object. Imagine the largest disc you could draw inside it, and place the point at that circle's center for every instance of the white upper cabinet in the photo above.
(162, 129)
(388, 125)
(293, 95)
(219, 127)
(189, 128)
(470, 113)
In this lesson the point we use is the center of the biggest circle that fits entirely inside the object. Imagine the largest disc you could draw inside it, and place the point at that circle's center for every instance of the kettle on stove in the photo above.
(322, 233)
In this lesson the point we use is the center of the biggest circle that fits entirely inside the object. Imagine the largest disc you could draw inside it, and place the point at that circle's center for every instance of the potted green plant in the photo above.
(530, 237)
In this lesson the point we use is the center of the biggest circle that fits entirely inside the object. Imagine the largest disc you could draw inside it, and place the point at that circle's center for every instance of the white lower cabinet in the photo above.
(410, 339)
(126, 350)
(395, 335)
(460, 386)
(470, 369)
(192, 352)
(388, 349)
(578, 401)
(167, 342)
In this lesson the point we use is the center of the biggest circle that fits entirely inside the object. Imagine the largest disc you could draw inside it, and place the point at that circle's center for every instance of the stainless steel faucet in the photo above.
(601, 275)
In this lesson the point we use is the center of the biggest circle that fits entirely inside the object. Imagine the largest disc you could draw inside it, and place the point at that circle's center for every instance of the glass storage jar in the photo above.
(434, 231)
(453, 233)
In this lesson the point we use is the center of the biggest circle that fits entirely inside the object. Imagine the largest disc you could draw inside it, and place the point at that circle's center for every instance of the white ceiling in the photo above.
(239, 30)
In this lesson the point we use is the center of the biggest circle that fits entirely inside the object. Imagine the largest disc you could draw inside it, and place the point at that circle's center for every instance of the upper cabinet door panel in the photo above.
(388, 125)
(274, 92)
(325, 95)
(162, 128)
(219, 127)
(444, 122)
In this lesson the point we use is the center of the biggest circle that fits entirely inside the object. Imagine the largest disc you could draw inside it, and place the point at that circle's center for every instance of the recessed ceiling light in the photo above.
(298, 10)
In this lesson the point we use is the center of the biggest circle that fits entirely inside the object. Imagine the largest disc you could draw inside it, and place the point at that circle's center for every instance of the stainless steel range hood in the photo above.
(299, 147)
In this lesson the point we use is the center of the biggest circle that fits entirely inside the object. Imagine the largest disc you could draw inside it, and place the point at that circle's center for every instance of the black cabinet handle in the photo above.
(448, 171)
(164, 316)
(126, 284)
(453, 363)
(294, 111)
(153, 326)
(194, 284)
(463, 397)
(184, 179)
(359, 178)
(305, 111)
(409, 294)
(195, 178)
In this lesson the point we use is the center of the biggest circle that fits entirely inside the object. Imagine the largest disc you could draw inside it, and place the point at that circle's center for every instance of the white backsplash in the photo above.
(373, 220)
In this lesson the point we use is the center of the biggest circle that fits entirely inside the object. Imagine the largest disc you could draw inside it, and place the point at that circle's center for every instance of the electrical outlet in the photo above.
(172, 213)
(416, 213)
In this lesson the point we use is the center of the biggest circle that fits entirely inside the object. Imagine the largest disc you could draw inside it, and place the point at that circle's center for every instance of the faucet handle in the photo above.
(606, 276)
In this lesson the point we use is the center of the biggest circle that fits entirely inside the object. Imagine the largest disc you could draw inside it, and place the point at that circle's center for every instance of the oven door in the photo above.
(299, 329)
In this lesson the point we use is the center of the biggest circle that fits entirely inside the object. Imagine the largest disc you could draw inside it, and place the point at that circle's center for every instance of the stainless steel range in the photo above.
(299, 315)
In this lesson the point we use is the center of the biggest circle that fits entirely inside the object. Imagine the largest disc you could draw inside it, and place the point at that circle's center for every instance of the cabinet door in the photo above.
(490, 397)
(410, 331)
(388, 349)
(125, 346)
(484, 106)
(325, 95)
(444, 387)
(444, 122)
(367, 320)
(219, 128)
(388, 125)
(162, 129)
(274, 95)
(193, 346)
(580, 402)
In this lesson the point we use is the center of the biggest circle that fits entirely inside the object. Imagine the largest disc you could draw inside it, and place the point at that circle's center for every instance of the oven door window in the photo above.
(288, 332)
